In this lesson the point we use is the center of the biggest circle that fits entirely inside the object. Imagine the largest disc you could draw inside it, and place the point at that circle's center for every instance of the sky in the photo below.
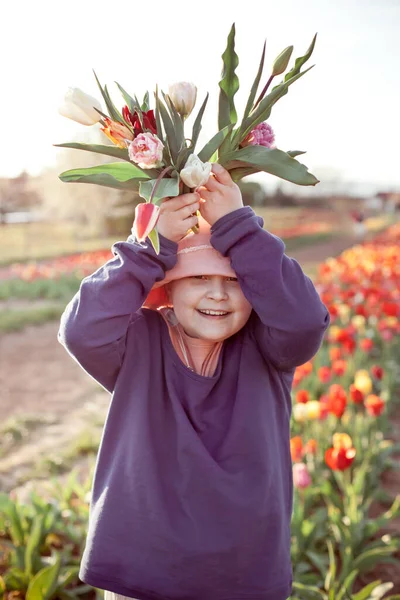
(343, 113)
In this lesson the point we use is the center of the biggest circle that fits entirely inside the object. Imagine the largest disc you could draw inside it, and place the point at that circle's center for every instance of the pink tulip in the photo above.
(146, 217)
(146, 150)
(301, 476)
(261, 135)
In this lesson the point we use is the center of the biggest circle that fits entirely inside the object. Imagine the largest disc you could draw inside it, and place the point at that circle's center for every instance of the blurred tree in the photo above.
(253, 193)
(17, 195)
(97, 210)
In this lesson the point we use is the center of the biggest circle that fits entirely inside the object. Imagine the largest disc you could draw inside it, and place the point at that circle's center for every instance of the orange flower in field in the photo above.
(366, 344)
(297, 377)
(339, 367)
(323, 407)
(339, 459)
(302, 396)
(324, 374)
(337, 400)
(356, 395)
(374, 405)
(307, 368)
(310, 447)
(296, 448)
(377, 371)
(335, 353)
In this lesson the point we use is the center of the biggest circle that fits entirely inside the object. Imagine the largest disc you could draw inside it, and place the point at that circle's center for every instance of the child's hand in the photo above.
(221, 195)
(176, 218)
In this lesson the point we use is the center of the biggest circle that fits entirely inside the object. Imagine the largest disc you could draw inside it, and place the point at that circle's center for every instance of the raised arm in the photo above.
(290, 318)
(94, 324)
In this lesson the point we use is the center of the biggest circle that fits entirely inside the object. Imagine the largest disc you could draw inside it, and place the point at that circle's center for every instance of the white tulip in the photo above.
(195, 172)
(78, 106)
(183, 96)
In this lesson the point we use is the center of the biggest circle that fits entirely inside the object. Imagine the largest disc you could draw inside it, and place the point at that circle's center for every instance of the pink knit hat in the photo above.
(196, 256)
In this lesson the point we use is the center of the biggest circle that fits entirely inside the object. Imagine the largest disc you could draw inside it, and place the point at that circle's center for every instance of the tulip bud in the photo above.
(195, 172)
(79, 107)
(146, 217)
(183, 97)
(281, 62)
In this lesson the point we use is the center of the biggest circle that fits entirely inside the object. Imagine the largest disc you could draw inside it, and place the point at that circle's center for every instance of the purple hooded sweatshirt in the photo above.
(192, 491)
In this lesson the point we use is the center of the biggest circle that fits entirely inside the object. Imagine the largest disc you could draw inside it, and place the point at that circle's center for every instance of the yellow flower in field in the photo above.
(300, 412)
(362, 381)
(391, 321)
(313, 408)
(342, 440)
(358, 321)
(334, 331)
(344, 311)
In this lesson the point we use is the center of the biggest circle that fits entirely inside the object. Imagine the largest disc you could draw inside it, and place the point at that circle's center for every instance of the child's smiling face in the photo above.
(191, 295)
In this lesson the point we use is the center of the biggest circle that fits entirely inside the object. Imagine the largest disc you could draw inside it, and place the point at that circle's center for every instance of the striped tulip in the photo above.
(146, 217)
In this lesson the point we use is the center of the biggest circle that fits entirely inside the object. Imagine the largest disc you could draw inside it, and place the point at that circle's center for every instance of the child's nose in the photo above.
(217, 290)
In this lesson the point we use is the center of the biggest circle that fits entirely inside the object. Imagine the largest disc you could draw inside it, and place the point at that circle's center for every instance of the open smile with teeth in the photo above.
(214, 313)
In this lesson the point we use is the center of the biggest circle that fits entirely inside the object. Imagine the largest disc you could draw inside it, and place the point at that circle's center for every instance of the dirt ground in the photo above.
(37, 377)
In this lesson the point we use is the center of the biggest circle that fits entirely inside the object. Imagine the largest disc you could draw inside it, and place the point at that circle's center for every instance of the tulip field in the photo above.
(344, 442)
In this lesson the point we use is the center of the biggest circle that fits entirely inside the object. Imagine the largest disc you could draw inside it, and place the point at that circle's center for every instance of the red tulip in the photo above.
(148, 118)
(377, 371)
(324, 374)
(339, 459)
(146, 217)
(356, 395)
(366, 344)
(374, 405)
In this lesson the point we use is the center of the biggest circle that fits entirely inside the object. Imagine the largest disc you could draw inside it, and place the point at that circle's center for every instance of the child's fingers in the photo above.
(205, 194)
(212, 184)
(221, 174)
(179, 202)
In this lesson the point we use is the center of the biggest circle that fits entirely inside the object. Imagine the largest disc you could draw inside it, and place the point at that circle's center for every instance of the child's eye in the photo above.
(199, 276)
(233, 278)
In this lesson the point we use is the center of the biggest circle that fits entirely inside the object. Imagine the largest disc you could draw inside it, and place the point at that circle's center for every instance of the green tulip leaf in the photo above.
(155, 240)
(145, 104)
(270, 160)
(44, 583)
(299, 62)
(229, 83)
(98, 148)
(215, 142)
(166, 188)
(171, 136)
(177, 122)
(121, 176)
(115, 115)
(197, 124)
(294, 153)
(263, 110)
(254, 87)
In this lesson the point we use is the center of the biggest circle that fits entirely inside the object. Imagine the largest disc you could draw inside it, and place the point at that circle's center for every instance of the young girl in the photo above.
(192, 491)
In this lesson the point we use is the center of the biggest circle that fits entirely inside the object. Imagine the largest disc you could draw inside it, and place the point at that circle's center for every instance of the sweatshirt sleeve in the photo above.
(94, 324)
(290, 318)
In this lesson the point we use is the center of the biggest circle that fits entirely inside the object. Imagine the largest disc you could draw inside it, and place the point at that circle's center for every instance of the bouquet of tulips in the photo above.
(157, 160)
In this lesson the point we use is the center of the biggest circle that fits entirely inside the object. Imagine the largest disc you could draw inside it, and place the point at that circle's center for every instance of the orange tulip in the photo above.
(310, 447)
(335, 353)
(296, 448)
(117, 132)
(366, 344)
(302, 396)
(339, 367)
(374, 405)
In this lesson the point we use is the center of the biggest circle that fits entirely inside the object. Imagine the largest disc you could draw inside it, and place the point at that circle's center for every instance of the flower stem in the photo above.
(161, 175)
(261, 96)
